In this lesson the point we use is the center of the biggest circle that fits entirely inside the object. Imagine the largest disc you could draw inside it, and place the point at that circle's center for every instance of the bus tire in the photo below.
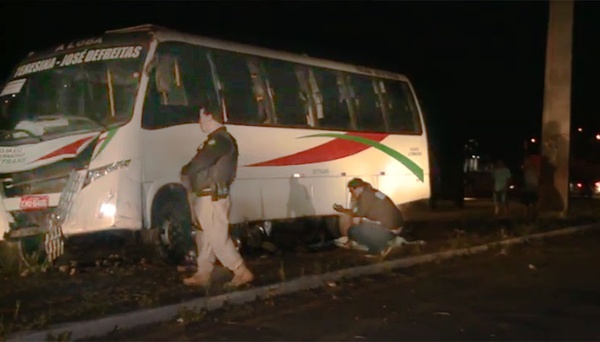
(10, 257)
(173, 227)
(32, 252)
(23, 254)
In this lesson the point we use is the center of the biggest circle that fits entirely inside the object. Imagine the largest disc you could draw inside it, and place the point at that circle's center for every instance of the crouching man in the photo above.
(373, 221)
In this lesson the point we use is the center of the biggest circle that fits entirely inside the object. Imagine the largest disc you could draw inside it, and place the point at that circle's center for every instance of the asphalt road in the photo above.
(547, 290)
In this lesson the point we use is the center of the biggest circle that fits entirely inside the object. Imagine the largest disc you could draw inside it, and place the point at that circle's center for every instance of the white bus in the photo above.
(95, 132)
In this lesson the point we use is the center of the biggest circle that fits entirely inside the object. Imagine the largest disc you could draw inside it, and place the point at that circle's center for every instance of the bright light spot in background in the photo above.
(533, 140)
(580, 129)
(579, 185)
(597, 136)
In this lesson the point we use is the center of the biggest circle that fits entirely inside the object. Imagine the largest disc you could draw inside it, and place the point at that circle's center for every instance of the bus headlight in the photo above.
(94, 174)
(107, 209)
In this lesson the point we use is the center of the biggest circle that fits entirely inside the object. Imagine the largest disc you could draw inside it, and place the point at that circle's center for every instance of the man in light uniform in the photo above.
(210, 173)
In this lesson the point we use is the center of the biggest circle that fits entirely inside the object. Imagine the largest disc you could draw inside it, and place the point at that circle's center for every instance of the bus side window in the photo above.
(335, 110)
(310, 94)
(370, 115)
(347, 95)
(236, 79)
(404, 116)
(168, 81)
(198, 78)
(263, 93)
(179, 83)
(291, 110)
(383, 100)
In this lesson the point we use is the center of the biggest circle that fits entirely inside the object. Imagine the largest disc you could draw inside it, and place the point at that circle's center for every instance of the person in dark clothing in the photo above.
(373, 221)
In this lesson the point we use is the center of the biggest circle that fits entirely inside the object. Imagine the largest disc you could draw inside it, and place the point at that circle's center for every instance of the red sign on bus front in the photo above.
(32, 202)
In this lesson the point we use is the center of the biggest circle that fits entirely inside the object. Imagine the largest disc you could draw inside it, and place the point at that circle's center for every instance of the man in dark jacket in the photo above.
(376, 221)
(210, 173)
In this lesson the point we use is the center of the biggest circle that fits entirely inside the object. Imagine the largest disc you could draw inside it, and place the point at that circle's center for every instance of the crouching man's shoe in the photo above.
(198, 279)
(241, 276)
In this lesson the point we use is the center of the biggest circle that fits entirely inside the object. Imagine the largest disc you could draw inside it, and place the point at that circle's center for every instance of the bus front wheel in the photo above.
(174, 231)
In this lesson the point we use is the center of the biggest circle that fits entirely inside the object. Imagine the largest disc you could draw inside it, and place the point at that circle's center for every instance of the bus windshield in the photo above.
(65, 94)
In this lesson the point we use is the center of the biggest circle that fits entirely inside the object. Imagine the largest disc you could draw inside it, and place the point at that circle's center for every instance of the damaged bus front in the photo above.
(68, 161)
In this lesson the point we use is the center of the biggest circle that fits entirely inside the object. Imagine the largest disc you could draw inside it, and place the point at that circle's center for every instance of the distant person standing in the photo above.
(529, 196)
(501, 176)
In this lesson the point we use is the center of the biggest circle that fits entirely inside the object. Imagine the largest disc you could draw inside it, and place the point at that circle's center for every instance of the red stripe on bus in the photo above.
(331, 150)
(68, 149)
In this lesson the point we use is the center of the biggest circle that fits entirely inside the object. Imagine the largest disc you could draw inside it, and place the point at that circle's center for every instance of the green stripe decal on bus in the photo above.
(111, 133)
(404, 160)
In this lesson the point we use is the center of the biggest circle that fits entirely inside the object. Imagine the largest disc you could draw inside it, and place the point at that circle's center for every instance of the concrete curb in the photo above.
(103, 326)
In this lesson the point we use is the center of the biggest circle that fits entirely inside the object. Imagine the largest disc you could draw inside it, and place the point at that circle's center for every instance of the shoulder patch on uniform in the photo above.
(379, 195)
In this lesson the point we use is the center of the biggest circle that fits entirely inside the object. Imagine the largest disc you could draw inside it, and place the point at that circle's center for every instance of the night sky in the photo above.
(478, 67)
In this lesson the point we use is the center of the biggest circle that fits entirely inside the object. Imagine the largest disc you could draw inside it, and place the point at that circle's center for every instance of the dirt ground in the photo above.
(546, 290)
(123, 281)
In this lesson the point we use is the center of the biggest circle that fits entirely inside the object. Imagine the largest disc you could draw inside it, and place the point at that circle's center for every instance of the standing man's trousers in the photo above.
(214, 242)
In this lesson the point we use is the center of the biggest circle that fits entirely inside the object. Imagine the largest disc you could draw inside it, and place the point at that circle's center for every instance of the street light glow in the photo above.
(580, 129)
(597, 136)
(533, 140)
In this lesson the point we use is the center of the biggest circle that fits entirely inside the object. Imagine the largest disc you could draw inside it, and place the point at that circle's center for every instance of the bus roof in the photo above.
(166, 34)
